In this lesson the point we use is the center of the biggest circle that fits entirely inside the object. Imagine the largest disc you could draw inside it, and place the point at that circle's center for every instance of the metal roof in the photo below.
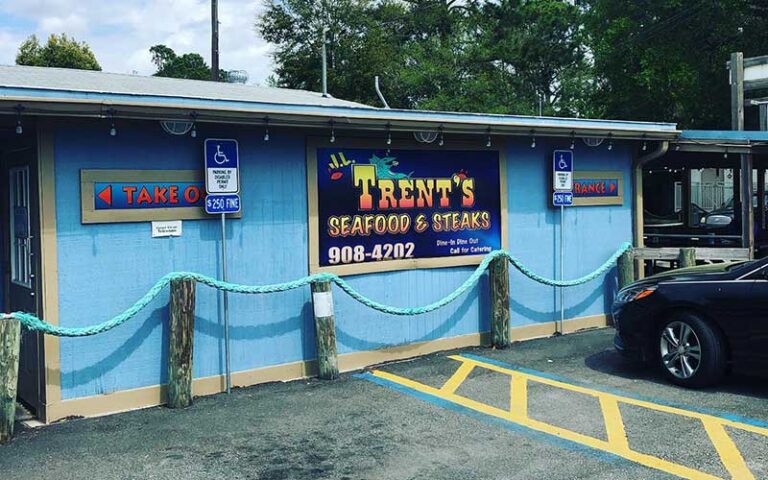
(725, 136)
(65, 92)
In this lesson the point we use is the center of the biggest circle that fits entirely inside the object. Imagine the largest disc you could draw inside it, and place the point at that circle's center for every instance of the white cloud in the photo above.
(120, 33)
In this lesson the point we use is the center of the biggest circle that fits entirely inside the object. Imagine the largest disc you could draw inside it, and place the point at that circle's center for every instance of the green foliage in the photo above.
(59, 51)
(188, 65)
(660, 60)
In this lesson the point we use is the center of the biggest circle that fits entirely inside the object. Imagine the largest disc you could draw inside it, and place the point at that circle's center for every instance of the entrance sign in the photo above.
(222, 204)
(562, 170)
(598, 188)
(142, 195)
(386, 210)
(221, 166)
(562, 199)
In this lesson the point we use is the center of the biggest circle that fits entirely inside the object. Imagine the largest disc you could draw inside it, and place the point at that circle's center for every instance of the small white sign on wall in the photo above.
(166, 229)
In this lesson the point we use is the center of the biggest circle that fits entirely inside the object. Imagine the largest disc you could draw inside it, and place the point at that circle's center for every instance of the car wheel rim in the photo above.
(680, 350)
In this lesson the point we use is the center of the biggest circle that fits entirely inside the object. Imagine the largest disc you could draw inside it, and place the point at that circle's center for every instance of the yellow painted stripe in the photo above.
(614, 426)
(518, 396)
(729, 453)
(628, 400)
(457, 378)
(640, 458)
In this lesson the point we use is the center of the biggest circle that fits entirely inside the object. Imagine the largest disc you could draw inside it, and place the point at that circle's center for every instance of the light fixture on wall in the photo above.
(533, 139)
(488, 139)
(333, 133)
(441, 140)
(266, 129)
(19, 129)
(112, 128)
(389, 135)
(193, 131)
(573, 140)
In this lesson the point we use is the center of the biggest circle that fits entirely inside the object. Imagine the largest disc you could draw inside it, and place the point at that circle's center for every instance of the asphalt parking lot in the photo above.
(558, 408)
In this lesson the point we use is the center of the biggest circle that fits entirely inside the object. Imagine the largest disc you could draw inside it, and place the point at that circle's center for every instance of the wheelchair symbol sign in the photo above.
(562, 170)
(222, 174)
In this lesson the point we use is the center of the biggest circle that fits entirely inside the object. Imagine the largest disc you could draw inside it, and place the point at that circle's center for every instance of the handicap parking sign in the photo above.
(221, 166)
(562, 170)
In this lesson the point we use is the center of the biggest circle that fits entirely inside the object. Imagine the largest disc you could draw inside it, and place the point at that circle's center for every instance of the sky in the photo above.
(120, 32)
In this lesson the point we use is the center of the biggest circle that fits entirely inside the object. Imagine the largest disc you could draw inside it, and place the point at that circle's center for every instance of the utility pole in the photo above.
(214, 40)
(736, 66)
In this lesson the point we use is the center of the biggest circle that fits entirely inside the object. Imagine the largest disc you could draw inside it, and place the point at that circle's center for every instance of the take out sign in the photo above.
(147, 195)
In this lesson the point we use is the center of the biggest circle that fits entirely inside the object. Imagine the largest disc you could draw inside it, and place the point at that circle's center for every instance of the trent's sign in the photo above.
(374, 205)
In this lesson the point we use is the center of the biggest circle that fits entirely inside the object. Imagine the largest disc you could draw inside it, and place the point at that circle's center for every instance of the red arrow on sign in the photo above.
(106, 195)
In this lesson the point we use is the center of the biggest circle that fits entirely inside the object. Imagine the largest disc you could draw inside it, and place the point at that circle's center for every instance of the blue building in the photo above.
(92, 159)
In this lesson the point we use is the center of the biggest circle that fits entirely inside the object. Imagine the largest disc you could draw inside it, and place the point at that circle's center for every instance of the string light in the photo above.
(19, 128)
(266, 129)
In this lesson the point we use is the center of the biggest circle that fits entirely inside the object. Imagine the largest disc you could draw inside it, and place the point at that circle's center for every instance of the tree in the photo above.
(470, 55)
(665, 60)
(188, 65)
(59, 51)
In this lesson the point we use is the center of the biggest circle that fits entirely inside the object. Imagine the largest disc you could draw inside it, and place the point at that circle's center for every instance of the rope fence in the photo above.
(33, 323)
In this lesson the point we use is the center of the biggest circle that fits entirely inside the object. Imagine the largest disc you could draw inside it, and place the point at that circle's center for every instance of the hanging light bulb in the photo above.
(725, 155)
(389, 135)
(645, 144)
(573, 141)
(533, 139)
(333, 133)
(193, 133)
(441, 140)
(113, 128)
(610, 141)
(677, 147)
(19, 128)
(488, 140)
(266, 129)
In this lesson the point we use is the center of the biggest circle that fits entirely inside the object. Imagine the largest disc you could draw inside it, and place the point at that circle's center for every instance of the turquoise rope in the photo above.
(34, 323)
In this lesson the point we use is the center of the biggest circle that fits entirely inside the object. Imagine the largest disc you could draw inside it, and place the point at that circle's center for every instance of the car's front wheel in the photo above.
(691, 353)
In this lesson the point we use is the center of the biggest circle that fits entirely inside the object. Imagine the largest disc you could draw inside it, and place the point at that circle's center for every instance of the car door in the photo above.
(756, 359)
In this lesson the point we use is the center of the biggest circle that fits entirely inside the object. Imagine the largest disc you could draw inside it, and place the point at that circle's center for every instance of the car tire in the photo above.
(700, 360)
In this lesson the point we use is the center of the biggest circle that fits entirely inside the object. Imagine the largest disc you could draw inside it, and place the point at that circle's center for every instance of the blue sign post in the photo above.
(222, 184)
(562, 199)
(562, 184)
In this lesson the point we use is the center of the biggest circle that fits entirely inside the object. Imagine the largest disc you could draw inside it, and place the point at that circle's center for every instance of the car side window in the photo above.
(761, 274)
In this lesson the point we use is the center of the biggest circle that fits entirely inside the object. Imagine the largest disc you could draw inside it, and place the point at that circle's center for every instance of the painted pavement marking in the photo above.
(617, 443)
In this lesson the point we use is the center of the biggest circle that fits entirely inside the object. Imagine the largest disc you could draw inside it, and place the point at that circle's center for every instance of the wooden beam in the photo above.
(499, 280)
(747, 210)
(736, 66)
(687, 257)
(325, 330)
(626, 268)
(10, 344)
(702, 253)
(181, 342)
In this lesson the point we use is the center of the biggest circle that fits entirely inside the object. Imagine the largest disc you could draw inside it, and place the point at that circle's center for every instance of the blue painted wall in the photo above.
(104, 268)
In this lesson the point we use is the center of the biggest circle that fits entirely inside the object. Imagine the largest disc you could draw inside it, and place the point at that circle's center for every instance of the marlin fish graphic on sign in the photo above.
(384, 167)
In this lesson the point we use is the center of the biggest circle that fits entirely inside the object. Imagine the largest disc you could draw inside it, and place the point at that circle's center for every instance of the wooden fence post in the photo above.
(499, 278)
(325, 330)
(181, 341)
(687, 257)
(10, 342)
(626, 269)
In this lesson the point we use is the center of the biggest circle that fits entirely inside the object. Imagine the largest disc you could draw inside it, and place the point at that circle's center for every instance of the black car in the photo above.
(697, 323)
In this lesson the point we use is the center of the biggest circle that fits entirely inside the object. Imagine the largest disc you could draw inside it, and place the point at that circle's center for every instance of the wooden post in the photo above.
(181, 340)
(10, 343)
(325, 330)
(626, 269)
(499, 278)
(687, 257)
